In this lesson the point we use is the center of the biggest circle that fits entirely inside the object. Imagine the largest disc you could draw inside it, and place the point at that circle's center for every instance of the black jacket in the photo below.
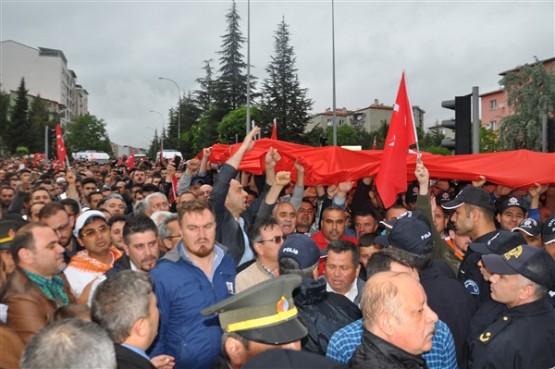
(376, 353)
(323, 313)
(448, 298)
(520, 337)
(128, 359)
(228, 230)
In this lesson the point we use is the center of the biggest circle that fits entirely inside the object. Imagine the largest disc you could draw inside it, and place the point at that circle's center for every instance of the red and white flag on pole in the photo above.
(274, 130)
(60, 146)
(392, 174)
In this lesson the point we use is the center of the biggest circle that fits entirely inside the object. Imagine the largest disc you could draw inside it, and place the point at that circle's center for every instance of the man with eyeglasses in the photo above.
(86, 269)
(169, 233)
(56, 217)
(267, 238)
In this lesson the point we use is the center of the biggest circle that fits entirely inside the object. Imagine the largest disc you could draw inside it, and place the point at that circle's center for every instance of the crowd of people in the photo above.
(198, 265)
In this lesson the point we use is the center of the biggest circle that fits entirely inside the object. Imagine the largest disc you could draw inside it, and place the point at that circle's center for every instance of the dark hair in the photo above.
(51, 209)
(89, 180)
(367, 212)
(332, 208)
(138, 224)
(367, 240)
(73, 204)
(94, 193)
(117, 218)
(381, 261)
(24, 239)
(263, 224)
(341, 246)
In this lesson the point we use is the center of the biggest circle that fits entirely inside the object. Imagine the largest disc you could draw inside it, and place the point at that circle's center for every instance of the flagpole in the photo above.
(418, 153)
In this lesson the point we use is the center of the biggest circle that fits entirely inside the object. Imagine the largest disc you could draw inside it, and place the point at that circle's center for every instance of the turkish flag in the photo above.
(274, 130)
(392, 173)
(131, 161)
(60, 146)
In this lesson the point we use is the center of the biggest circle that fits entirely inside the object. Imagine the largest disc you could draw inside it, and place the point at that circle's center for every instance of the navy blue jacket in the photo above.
(522, 337)
(183, 290)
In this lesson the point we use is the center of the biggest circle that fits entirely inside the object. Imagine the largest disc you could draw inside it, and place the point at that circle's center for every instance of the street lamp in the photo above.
(178, 110)
(162, 131)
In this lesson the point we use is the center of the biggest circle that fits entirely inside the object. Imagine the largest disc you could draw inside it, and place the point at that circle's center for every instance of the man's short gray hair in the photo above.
(151, 197)
(70, 343)
(120, 301)
(163, 230)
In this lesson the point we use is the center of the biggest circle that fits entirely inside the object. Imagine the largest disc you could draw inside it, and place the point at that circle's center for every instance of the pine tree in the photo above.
(18, 126)
(282, 96)
(4, 108)
(230, 90)
(204, 95)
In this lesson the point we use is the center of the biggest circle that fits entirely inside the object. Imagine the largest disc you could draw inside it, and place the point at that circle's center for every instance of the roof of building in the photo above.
(545, 61)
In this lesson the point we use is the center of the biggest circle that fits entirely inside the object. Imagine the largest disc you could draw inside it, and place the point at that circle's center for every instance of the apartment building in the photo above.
(369, 118)
(494, 105)
(46, 73)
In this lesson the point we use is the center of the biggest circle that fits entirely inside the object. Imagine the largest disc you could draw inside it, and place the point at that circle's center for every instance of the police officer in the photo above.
(517, 328)
(258, 319)
(474, 216)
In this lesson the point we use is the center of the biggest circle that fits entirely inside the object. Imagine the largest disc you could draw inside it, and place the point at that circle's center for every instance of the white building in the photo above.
(46, 74)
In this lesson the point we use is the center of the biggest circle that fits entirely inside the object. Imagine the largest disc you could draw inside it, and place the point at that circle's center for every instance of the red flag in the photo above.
(274, 130)
(130, 160)
(392, 174)
(36, 158)
(120, 161)
(60, 146)
(375, 144)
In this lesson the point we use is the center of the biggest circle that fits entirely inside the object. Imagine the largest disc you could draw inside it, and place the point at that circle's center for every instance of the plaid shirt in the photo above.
(345, 341)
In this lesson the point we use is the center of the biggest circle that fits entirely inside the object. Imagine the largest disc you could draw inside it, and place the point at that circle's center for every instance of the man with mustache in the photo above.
(332, 228)
(140, 244)
(398, 323)
(86, 269)
(286, 216)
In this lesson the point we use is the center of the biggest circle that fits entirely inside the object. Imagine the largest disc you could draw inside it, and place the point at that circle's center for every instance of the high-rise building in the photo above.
(46, 73)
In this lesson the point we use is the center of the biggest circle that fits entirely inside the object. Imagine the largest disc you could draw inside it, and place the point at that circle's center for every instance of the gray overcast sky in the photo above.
(118, 49)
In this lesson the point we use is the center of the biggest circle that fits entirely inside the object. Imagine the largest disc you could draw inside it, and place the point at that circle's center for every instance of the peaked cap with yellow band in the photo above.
(532, 262)
(7, 232)
(263, 313)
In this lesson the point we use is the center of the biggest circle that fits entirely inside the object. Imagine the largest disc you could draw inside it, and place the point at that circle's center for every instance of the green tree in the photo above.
(190, 113)
(18, 126)
(489, 140)
(87, 132)
(39, 117)
(4, 108)
(282, 96)
(531, 94)
(230, 91)
(234, 124)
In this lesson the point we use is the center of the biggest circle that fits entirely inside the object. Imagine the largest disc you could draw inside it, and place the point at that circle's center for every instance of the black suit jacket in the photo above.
(128, 359)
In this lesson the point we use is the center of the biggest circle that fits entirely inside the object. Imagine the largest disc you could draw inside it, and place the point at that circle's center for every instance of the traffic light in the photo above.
(461, 125)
